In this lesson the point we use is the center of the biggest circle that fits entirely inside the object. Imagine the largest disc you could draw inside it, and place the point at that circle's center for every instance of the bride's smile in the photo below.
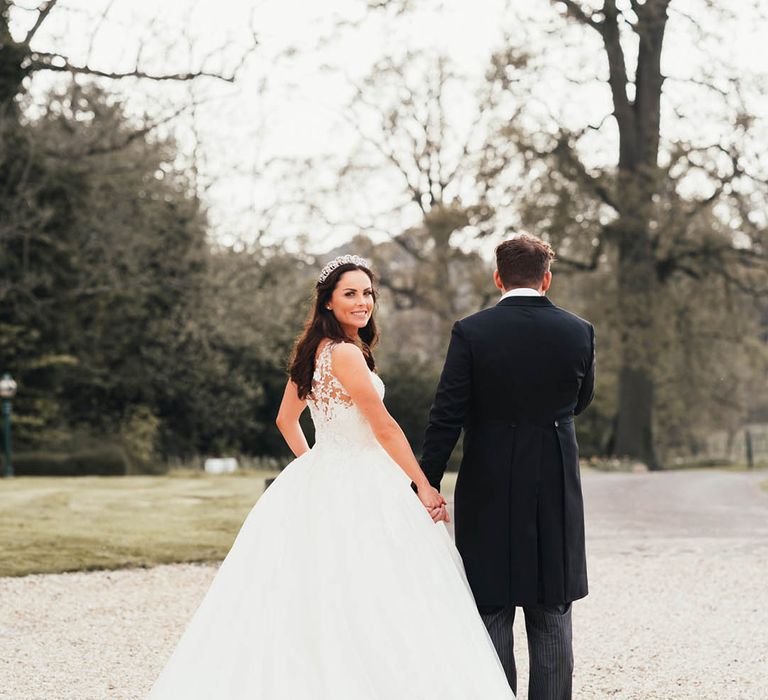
(352, 301)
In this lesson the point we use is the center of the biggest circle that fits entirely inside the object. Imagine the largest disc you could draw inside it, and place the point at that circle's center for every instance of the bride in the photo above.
(342, 584)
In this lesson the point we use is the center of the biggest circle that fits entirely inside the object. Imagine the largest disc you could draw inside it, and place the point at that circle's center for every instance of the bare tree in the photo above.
(647, 215)
(423, 130)
(21, 59)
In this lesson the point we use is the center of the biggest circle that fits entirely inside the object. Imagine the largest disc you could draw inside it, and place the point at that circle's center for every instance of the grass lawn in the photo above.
(744, 467)
(55, 524)
(73, 523)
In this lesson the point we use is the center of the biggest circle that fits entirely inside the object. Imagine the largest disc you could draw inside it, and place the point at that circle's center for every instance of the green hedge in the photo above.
(102, 461)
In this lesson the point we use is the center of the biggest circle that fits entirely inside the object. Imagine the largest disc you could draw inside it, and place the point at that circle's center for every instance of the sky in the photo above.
(287, 119)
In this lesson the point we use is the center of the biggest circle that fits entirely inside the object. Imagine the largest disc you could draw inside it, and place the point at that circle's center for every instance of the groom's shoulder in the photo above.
(572, 317)
(478, 324)
(477, 319)
(492, 315)
(572, 323)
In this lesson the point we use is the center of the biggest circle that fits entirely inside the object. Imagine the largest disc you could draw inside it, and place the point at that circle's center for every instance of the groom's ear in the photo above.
(547, 281)
(497, 280)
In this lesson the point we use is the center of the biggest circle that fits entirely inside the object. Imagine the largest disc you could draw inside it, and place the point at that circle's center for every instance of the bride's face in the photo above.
(352, 300)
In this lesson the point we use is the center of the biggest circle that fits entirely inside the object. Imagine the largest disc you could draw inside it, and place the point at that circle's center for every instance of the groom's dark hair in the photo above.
(522, 261)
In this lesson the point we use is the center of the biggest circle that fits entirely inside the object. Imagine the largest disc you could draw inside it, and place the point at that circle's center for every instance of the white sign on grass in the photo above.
(220, 465)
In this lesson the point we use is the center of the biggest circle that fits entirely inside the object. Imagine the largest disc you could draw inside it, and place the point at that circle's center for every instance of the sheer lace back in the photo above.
(327, 392)
(337, 420)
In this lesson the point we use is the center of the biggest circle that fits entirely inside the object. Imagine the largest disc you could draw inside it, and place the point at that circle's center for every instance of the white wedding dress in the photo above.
(338, 587)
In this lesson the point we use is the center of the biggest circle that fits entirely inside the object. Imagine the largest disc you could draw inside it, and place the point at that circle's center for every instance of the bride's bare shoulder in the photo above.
(325, 344)
(346, 355)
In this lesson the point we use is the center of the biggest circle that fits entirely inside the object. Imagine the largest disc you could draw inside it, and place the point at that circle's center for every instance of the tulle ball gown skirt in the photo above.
(338, 587)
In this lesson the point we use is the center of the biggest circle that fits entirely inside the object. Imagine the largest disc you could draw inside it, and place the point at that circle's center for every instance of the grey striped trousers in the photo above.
(550, 648)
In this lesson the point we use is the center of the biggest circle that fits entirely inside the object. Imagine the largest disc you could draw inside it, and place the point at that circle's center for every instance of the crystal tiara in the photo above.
(338, 262)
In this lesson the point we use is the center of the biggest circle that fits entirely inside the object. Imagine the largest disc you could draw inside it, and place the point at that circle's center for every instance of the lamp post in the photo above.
(7, 392)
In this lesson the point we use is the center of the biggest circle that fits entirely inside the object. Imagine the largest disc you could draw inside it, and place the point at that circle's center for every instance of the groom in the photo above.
(514, 377)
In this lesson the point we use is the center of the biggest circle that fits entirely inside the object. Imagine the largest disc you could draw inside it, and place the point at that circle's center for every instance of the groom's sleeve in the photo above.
(587, 389)
(449, 408)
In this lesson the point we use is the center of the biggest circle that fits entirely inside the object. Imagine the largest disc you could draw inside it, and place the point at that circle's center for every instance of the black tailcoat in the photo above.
(514, 377)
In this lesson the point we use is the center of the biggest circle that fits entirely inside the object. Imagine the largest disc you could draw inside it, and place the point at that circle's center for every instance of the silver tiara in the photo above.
(338, 262)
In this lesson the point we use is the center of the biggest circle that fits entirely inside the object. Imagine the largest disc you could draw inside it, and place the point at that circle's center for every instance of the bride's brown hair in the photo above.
(322, 324)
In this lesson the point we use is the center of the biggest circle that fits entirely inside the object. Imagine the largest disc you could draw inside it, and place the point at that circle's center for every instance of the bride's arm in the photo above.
(350, 368)
(287, 420)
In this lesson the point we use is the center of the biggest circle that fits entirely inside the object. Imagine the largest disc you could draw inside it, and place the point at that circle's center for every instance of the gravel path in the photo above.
(677, 607)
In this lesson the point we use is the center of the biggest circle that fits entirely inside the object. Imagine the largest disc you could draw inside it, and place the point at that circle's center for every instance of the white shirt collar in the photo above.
(521, 292)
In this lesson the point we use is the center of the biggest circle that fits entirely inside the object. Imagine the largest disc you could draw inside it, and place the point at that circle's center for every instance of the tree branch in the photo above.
(569, 157)
(96, 150)
(573, 9)
(43, 11)
(402, 241)
(95, 32)
(410, 293)
(617, 74)
(389, 153)
(57, 62)
(701, 83)
(715, 257)
(588, 266)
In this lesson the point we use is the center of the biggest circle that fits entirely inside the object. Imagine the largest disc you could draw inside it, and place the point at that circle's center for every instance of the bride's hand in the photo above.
(439, 514)
(430, 497)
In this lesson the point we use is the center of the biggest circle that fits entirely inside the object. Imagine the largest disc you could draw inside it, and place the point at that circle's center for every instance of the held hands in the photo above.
(434, 503)
(439, 514)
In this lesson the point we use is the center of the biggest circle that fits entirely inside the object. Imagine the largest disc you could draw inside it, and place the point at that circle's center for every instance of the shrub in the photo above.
(139, 433)
(108, 460)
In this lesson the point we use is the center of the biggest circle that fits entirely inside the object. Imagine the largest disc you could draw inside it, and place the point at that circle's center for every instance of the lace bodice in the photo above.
(337, 420)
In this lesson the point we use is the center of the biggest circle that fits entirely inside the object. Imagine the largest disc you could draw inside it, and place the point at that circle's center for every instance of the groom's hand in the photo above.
(440, 513)
(433, 501)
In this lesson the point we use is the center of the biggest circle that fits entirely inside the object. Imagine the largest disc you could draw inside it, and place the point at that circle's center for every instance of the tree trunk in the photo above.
(636, 302)
(440, 222)
(639, 135)
(12, 55)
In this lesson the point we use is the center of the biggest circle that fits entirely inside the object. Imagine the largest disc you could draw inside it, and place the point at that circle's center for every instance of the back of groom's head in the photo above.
(523, 261)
